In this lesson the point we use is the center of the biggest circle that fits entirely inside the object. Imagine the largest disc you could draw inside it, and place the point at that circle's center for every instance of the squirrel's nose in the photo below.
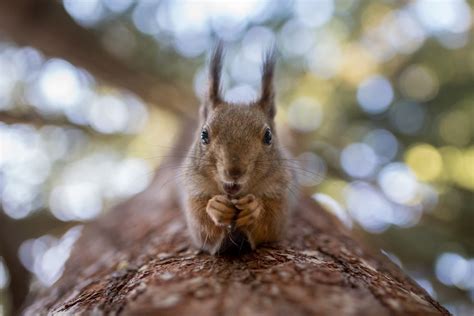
(234, 172)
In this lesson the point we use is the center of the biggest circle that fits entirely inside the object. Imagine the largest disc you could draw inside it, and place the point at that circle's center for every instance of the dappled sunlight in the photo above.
(453, 269)
(374, 98)
(375, 94)
(46, 256)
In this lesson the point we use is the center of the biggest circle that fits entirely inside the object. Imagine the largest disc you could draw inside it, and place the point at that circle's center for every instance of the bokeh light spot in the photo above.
(86, 13)
(465, 175)
(407, 117)
(334, 207)
(398, 183)
(130, 177)
(375, 94)
(59, 85)
(425, 161)
(241, 94)
(244, 70)
(47, 255)
(384, 143)
(359, 160)
(314, 13)
(442, 16)
(117, 6)
(256, 41)
(108, 114)
(452, 269)
(295, 38)
(76, 201)
(8, 79)
(368, 206)
(311, 168)
(325, 57)
(455, 128)
(419, 83)
(305, 114)
(403, 32)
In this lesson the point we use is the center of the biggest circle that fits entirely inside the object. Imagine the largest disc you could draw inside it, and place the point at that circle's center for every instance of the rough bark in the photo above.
(137, 260)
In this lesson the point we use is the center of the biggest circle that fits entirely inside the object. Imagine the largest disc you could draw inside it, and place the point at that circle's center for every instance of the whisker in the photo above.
(299, 169)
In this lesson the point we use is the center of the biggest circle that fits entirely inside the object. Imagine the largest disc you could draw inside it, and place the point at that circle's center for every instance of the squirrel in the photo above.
(237, 189)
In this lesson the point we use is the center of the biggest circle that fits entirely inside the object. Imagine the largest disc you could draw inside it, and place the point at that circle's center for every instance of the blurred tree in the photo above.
(45, 25)
(378, 94)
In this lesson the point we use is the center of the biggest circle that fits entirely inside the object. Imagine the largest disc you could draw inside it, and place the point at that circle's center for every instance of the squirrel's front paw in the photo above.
(221, 210)
(250, 209)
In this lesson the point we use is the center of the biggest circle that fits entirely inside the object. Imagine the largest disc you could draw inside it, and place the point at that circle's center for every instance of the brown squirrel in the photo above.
(237, 188)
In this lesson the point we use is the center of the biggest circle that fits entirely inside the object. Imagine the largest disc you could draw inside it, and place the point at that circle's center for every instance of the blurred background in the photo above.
(378, 94)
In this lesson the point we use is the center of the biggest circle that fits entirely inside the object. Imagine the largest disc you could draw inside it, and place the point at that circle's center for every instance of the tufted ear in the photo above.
(215, 72)
(203, 112)
(267, 96)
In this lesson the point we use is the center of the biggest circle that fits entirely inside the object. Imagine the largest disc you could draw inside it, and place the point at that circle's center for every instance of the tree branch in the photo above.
(137, 260)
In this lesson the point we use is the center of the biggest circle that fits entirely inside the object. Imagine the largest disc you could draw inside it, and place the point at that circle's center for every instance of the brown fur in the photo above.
(260, 209)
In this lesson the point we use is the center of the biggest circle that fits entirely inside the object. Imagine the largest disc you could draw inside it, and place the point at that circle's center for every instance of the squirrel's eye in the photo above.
(205, 137)
(267, 138)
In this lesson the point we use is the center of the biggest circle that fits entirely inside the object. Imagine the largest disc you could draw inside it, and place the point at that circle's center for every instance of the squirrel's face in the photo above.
(237, 146)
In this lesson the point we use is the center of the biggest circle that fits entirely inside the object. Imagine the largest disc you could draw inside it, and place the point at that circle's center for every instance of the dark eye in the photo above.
(267, 138)
(204, 136)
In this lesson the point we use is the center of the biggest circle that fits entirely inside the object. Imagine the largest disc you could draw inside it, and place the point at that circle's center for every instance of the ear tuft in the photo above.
(203, 112)
(215, 72)
(267, 96)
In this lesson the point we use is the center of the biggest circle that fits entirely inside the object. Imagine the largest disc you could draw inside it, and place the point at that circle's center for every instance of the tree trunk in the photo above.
(137, 260)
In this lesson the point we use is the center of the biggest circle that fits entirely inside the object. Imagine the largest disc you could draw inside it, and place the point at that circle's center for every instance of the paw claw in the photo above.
(249, 208)
(220, 210)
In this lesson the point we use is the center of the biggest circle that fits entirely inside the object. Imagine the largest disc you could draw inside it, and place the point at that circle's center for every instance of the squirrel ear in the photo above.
(203, 112)
(267, 97)
(215, 70)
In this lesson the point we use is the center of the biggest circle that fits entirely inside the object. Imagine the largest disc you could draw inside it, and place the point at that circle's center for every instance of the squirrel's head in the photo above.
(236, 145)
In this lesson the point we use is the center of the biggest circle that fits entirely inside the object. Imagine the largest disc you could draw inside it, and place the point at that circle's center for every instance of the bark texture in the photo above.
(137, 260)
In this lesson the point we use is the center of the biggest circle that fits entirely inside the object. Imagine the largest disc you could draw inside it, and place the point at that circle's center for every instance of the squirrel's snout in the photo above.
(234, 173)
(232, 188)
(233, 180)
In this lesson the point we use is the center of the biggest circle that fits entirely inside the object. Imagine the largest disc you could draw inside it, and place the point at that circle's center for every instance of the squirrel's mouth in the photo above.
(232, 188)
